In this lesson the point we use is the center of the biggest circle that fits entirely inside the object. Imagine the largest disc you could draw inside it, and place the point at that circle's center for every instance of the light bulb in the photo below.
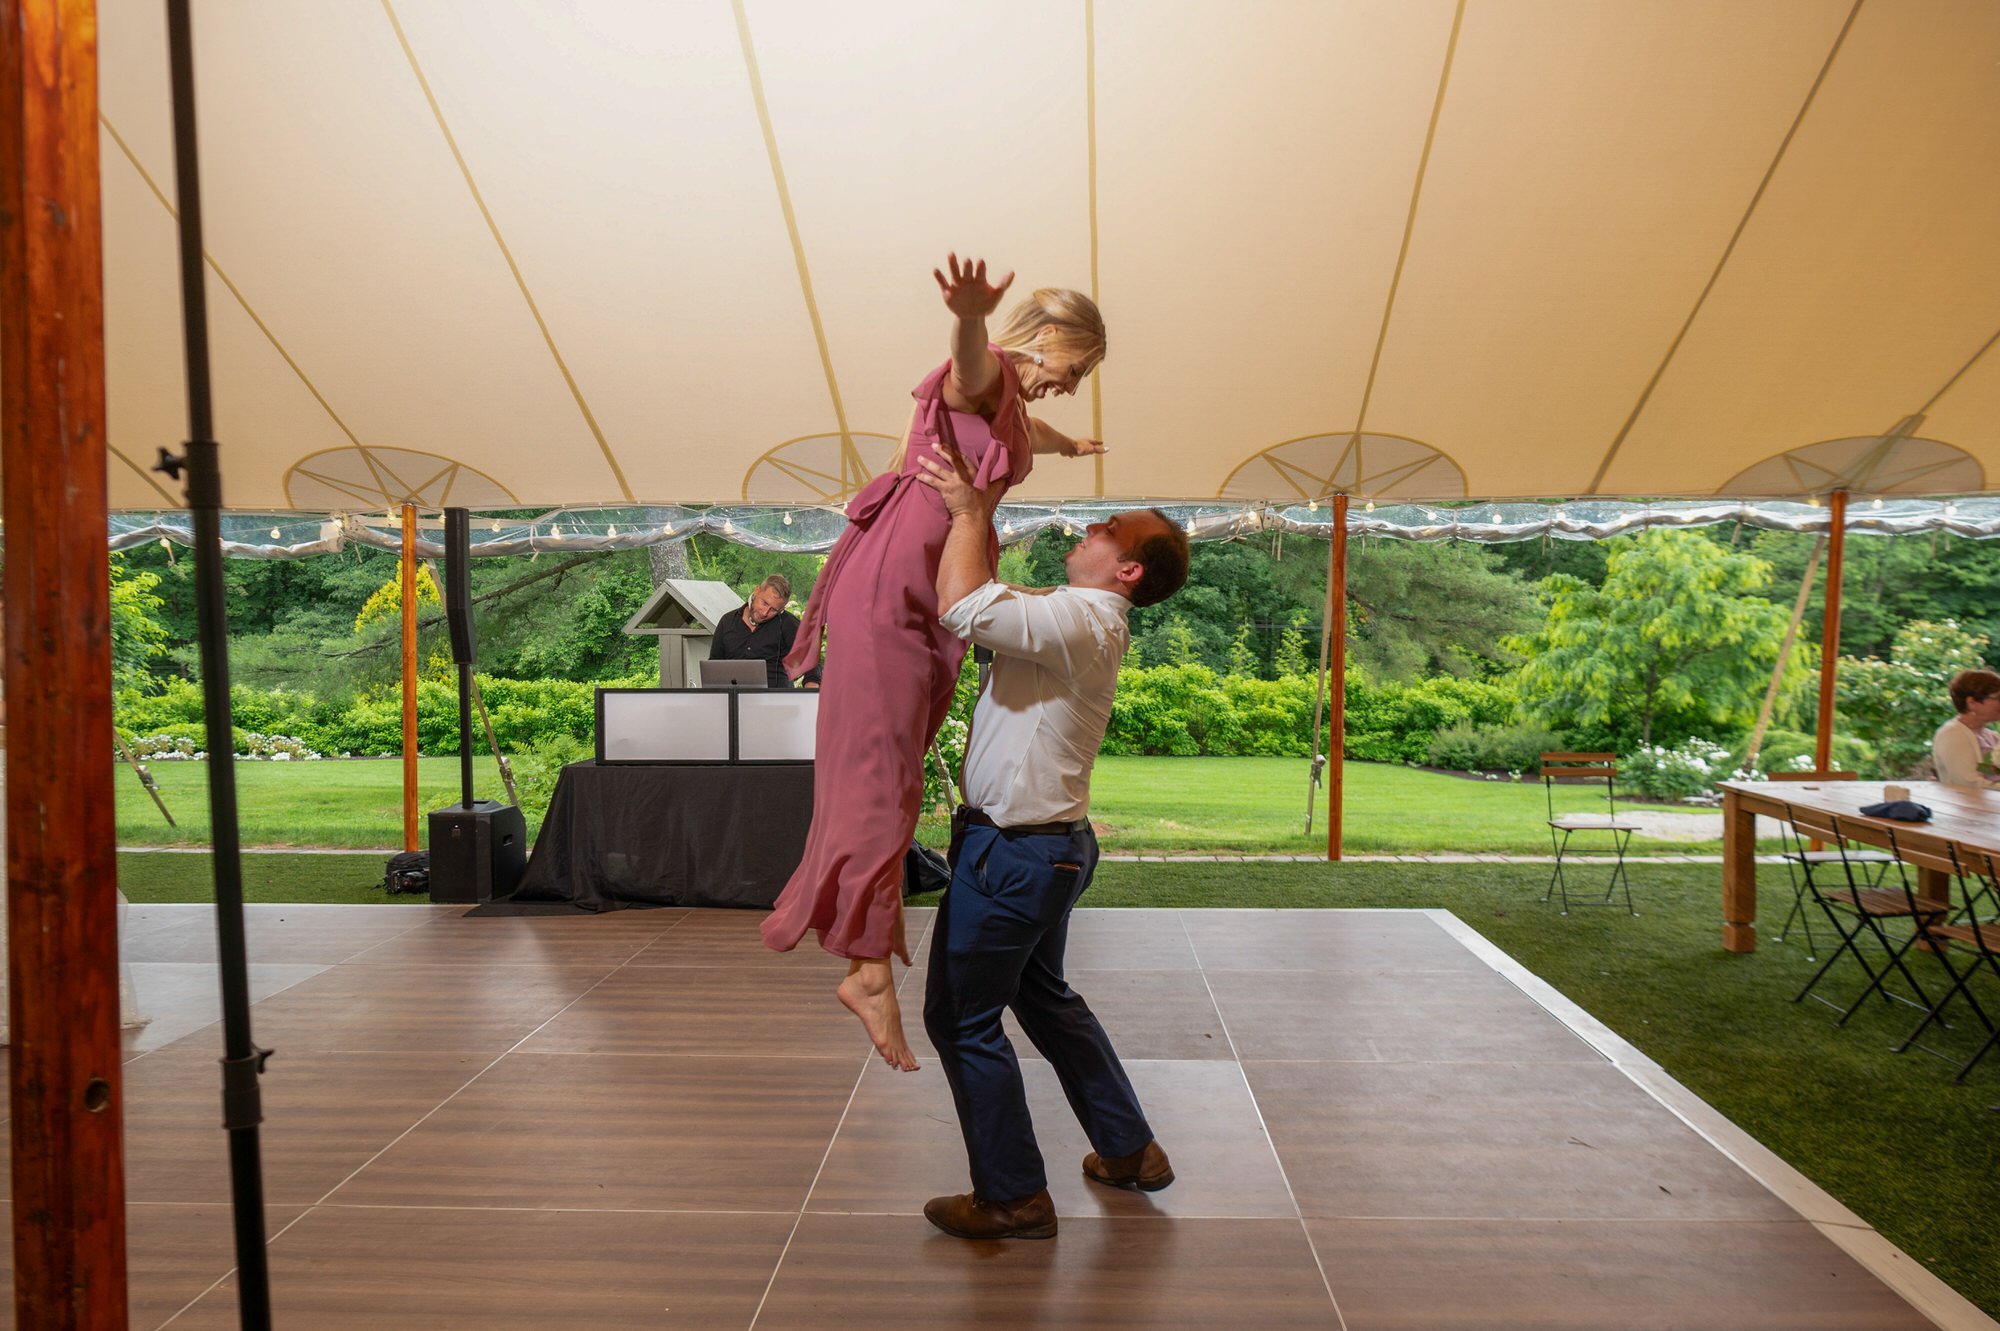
(1369, 506)
(496, 524)
(728, 525)
(1876, 504)
(165, 544)
(612, 530)
(1312, 505)
(275, 533)
(788, 517)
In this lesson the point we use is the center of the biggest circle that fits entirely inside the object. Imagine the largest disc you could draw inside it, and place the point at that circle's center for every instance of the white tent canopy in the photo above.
(678, 251)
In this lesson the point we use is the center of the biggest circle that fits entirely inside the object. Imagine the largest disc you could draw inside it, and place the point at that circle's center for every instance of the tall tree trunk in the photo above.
(670, 560)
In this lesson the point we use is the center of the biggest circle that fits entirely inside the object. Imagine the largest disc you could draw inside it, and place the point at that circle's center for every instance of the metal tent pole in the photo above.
(243, 1061)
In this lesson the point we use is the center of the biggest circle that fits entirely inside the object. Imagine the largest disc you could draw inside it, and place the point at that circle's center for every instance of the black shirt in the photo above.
(769, 642)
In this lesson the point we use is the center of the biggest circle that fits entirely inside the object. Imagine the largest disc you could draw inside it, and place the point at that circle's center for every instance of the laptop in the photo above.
(735, 675)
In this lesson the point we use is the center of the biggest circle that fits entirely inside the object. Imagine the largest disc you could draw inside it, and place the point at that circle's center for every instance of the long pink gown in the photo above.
(890, 671)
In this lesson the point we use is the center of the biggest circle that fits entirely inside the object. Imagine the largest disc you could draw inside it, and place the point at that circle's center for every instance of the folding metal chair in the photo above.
(1974, 930)
(1797, 851)
(1586, 769)
(1867, 907)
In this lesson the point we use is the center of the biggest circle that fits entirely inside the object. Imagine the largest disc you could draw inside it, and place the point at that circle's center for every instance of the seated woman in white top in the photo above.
(1963, 742)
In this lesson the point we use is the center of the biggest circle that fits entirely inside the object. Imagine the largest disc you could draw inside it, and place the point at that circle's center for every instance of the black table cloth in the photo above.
(709, 835)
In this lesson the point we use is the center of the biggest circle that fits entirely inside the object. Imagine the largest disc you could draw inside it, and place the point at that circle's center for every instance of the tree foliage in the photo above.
(1674, 642)
(1897, 703)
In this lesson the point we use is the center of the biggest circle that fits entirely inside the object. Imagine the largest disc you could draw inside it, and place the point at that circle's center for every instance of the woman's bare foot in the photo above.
(869, 992)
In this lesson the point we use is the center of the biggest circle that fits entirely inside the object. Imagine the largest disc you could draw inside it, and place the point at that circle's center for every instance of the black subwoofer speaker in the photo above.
(477, 854)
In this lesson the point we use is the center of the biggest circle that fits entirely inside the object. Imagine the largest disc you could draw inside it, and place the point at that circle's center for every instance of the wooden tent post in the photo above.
(1829, 648)
(64, 1085)
(1336, 753)
(409, 677)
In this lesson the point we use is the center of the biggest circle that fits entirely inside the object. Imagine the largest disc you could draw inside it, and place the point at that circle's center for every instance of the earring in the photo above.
(1038, 360)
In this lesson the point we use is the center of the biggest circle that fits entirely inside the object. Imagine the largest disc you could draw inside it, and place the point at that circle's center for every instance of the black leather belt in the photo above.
(971, 815)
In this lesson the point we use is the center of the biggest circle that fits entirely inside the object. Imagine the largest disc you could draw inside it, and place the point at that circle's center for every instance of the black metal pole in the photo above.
(242, 1061)
(465, 730)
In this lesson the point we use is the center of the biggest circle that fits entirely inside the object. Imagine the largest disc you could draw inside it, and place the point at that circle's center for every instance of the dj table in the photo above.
(684, 834)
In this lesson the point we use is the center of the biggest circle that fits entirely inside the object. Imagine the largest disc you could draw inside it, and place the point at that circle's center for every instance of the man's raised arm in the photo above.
(962, 566)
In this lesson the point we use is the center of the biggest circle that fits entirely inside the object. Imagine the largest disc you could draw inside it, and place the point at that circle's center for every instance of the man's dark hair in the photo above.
(1164, 556)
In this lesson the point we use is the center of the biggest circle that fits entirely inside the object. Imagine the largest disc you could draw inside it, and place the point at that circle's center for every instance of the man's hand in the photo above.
(1083, 448)
(950, 475)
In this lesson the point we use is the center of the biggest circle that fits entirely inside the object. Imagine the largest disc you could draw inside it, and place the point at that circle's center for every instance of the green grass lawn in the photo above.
(1141, 805)
(1889, 1135)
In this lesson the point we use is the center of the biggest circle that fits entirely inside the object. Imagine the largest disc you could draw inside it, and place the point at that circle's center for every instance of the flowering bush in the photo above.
(1677, 773)
(249, 744)
(168, 747)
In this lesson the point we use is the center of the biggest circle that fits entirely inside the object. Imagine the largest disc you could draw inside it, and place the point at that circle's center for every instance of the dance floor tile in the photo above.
(1466, 1275)
(597, 1132)
(459, 1009)
(1320, 940)
(325, 935)
(367, 1269)
(1146, 940)
(1493, 1141)
(183, 997)
(1147, 1014)
(730, 938)
(325, 1115)
(756, 1008)
(1444, 1016)
(900, 1145)
(897, 1271)
(172, 1254)
(511, 942)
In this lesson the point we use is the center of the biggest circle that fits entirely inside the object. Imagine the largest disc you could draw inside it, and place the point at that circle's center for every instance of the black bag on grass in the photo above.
(408, 872)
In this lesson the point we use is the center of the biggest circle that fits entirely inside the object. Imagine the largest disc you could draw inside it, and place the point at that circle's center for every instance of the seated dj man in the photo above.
(763, 630)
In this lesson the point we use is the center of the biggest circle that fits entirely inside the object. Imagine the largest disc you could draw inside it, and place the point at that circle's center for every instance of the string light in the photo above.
(275, 533)
(1312, 505)
(1369, 506)
(166, 545)
(1876, 504)
(496, 524)
(612, 530)
(788, 517)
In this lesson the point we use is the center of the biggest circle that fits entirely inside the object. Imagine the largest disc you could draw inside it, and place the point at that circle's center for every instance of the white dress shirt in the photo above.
(1037, 726)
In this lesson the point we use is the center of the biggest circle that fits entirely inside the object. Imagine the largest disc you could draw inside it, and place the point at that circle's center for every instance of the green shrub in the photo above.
(537, 767)
(1793, 751)
(1511, 748)
(1395, 722)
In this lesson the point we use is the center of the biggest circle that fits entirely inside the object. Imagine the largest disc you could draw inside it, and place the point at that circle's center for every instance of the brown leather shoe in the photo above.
(967, 1216)
(1146, 1170)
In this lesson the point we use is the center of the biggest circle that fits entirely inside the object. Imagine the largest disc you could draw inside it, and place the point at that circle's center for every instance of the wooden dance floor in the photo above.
(645, 1120)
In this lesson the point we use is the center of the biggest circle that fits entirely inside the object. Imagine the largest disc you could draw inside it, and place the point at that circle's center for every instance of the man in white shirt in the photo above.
(1023, 851)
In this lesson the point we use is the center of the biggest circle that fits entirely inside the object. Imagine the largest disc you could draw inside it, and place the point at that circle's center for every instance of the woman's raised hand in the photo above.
(967, 293)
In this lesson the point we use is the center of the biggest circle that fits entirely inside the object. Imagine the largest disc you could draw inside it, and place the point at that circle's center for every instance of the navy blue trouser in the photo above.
(998, 943)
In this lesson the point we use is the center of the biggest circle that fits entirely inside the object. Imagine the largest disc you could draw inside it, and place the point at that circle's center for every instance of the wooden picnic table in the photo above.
(1968, 818)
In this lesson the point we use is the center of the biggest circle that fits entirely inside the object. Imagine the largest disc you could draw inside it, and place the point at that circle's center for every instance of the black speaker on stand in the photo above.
(479, 848)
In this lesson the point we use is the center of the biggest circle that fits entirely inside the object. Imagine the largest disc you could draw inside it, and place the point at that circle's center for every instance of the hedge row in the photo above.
(1185, 710)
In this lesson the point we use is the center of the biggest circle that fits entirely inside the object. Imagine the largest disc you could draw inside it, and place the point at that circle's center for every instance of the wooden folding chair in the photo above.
(1797, 851)
(1974, 931)
(1586, 769)
(1867, 907)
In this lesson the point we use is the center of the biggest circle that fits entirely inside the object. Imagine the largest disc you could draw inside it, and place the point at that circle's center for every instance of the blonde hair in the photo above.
(1072, 314)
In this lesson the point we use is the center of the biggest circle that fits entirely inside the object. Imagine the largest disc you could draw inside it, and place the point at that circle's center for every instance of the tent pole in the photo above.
(409, 677)
(243, 1061)
(1784, 655)
(1829, 649)
(1336, 752)
(64, 1084)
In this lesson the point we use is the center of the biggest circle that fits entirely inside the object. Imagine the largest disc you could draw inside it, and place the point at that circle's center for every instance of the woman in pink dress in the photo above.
(893, 665)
